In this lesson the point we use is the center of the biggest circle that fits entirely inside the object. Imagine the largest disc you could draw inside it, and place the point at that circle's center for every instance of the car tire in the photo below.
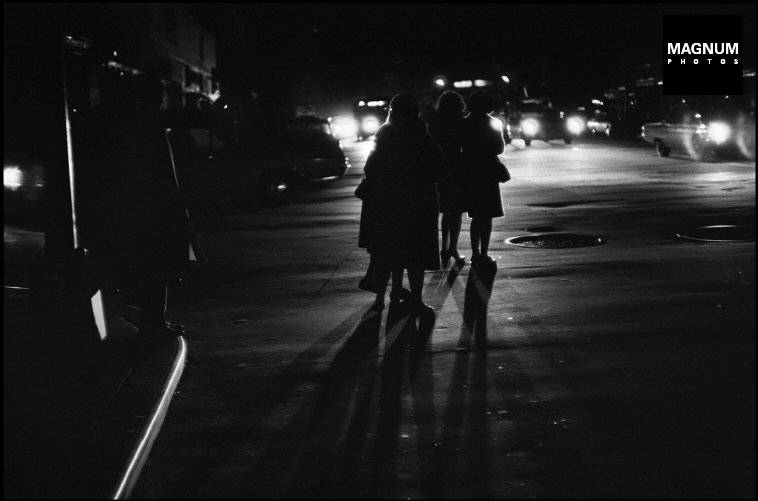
(527, 142)
(568, 140)
(663, 151)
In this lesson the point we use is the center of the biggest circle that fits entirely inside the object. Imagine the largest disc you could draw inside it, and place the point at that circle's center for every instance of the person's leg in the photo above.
(455, 231)
(397, 278)
(485, 230)
(446, 231)
(416, 280)
(475, 232)
(398, 293)
(382, 273)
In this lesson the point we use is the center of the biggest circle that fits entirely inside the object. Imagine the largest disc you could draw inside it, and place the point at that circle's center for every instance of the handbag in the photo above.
(501, 172)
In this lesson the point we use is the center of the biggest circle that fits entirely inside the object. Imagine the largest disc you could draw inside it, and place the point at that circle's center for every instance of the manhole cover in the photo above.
(555, 241)
(719, 233)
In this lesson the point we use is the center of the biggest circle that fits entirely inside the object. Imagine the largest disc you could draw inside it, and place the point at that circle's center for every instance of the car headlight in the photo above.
(718, 132)
(344, 127)
(370, 125)
(13, 178)
(529, 127)
(575, 125)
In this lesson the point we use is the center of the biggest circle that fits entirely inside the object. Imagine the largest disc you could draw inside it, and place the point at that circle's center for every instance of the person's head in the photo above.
(480, 102)
(450, 103)
(404, 107)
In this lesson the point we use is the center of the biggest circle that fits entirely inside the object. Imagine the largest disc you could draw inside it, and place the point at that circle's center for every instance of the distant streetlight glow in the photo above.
(505, 79)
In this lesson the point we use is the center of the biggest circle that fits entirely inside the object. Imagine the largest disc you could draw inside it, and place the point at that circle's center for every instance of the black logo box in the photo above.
(702, 78)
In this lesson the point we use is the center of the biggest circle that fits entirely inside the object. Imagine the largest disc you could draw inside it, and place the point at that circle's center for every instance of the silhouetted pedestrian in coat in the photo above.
(482, 143)
(447, 129)
(151, 232)
(378, 272)
(402, 171)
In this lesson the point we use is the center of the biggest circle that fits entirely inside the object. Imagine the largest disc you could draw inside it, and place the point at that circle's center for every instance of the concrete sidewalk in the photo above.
(79, 413)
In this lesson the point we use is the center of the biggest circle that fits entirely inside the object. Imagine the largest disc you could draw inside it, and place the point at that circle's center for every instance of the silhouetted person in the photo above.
(151, 231)
(447, 129)
(482, 143)
(402, 171)
(378, 271)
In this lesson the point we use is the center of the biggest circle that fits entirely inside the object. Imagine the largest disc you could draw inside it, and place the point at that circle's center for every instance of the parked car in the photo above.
(370, 114)
(703, 129)
(535, 121)
(214, 172)
(599, 124)
(301, 149)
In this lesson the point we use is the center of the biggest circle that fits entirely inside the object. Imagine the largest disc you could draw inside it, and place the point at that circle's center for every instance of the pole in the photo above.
(96, 301)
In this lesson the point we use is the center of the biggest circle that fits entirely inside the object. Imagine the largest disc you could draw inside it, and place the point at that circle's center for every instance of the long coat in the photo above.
(138, 219)
(448, 132)
(482, 143)
(402, 213)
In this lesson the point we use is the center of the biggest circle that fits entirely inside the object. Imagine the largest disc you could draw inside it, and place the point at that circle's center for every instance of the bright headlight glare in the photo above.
(718, 132)
(575, 125)
(496, 124)
(13, 178)
(529, 127)
(344, 127)
(370, 125)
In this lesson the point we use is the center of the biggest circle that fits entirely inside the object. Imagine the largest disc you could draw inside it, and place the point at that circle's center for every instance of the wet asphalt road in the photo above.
(621, 370)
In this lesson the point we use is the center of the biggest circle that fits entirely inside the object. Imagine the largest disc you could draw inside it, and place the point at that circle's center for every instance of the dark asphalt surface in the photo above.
(622, 370)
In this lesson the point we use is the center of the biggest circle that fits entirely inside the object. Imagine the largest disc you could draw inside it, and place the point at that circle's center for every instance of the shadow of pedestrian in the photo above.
(418, 340)
(400, 326)
(477, 297)
(348, 360)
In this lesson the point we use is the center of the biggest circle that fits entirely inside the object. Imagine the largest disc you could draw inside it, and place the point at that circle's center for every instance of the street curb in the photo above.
(147, 435)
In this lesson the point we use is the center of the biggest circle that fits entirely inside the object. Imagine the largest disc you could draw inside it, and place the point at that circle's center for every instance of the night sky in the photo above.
(333, 53)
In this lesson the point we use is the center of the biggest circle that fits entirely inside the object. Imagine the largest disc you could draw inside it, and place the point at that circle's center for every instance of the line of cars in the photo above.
(214, 171)
(534, 120)
(227, 168)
